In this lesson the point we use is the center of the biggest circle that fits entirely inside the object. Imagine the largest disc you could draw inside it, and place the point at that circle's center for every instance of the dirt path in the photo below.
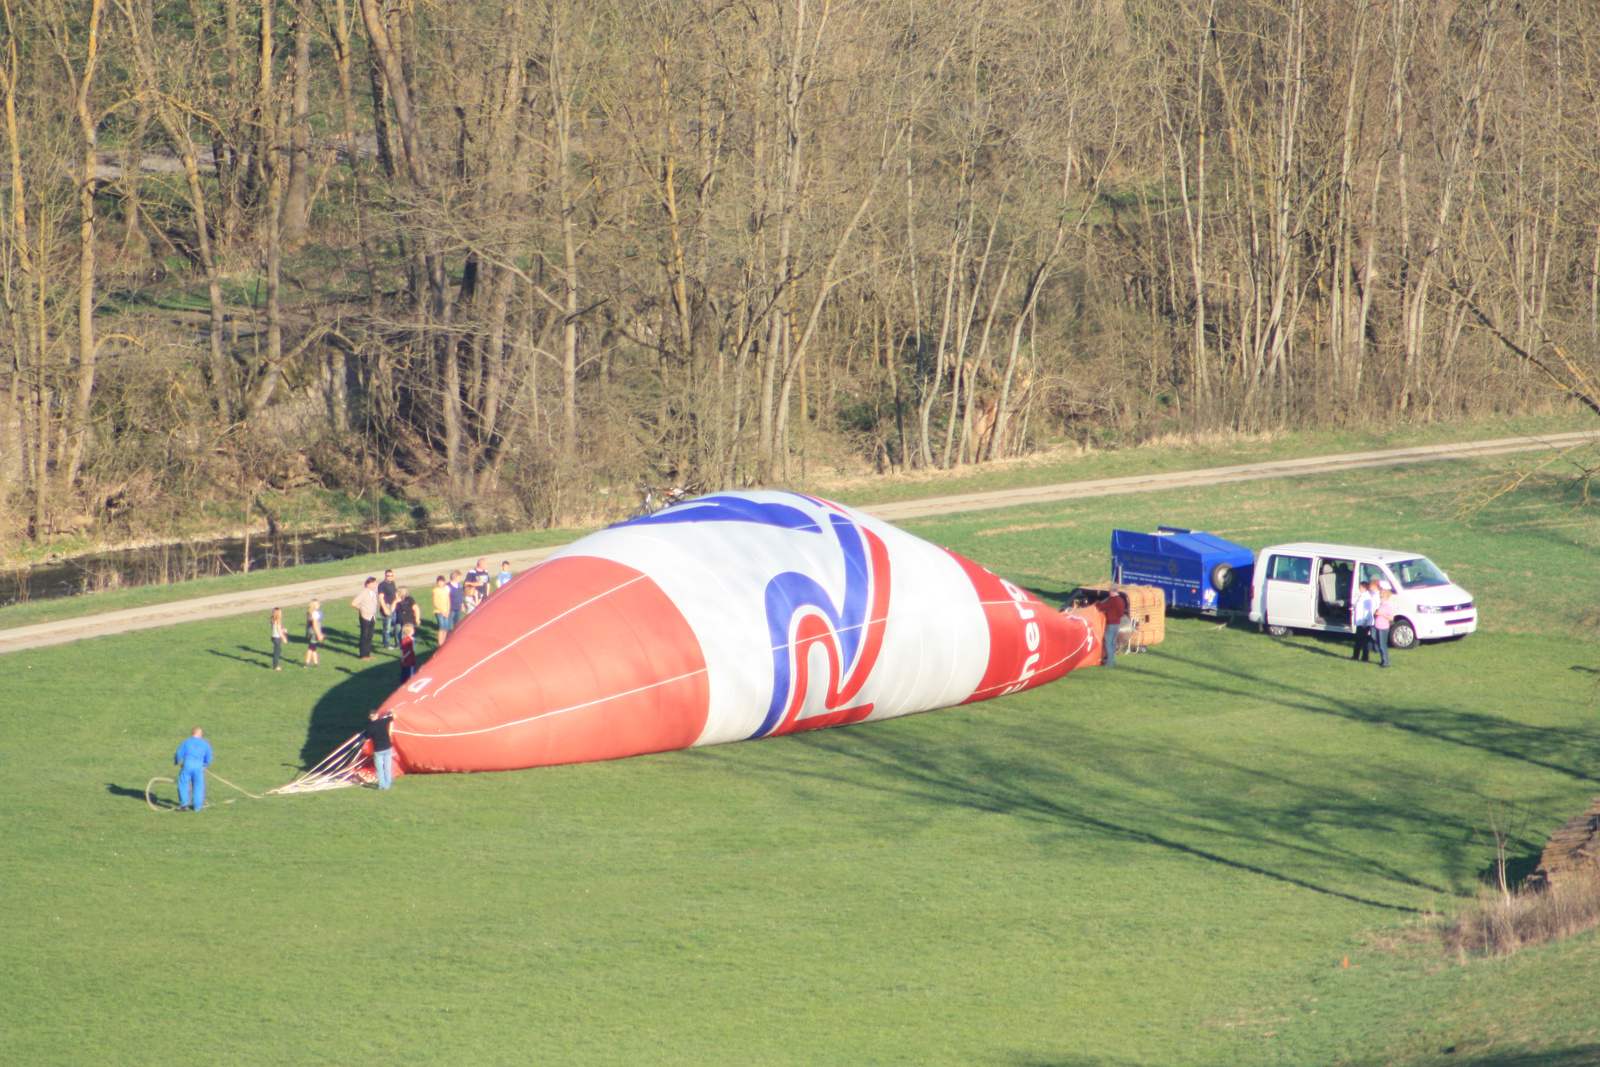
(336, 592)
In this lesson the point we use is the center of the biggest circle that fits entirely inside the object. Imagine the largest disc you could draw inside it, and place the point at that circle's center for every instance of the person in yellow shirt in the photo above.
(441, 607)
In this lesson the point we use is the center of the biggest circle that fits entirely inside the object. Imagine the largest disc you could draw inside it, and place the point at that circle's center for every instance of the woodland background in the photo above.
(495, 257)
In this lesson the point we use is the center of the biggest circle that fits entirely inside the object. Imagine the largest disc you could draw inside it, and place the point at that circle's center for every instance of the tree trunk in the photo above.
(297, 198)
(78, 427)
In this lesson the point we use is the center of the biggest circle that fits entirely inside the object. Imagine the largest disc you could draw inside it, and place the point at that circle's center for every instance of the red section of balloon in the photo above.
(647, 692)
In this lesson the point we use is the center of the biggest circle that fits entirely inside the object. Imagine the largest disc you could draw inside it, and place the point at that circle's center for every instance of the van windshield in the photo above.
(1419, 574)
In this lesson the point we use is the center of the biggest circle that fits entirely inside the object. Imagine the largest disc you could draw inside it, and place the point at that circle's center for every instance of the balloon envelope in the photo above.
(726, 618)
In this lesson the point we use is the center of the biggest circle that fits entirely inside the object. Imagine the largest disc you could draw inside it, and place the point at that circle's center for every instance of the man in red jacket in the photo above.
(1114, 606)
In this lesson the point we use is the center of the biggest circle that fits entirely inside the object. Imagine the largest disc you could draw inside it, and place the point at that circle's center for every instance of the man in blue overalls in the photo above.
(192, 758)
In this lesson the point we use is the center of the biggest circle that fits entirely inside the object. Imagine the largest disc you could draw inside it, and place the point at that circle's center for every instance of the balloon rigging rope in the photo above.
(150, 800)
(332, 773)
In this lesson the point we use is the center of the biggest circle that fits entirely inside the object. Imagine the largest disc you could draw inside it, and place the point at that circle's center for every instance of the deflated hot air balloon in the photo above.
(730, 617)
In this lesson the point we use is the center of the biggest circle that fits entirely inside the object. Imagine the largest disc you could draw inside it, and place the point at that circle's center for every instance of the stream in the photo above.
(181, 561)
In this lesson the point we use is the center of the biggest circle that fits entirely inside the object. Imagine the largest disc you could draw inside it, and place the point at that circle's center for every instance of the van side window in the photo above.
(1291, 569)
(1370, 571)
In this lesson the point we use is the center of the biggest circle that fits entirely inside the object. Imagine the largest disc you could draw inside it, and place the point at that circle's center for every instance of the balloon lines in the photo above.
(150, 800)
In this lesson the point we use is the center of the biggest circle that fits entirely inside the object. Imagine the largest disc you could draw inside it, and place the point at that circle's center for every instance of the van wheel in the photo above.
(1402, 634)
(1278, 631)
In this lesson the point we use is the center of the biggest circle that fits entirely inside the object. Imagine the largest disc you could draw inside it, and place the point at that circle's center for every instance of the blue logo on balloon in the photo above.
(790, 592)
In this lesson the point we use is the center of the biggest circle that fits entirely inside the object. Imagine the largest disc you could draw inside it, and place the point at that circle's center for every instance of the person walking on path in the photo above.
(504, 576)
(408, 652)
(192, 759)
(1361, 613)
(441, 608)
(458, 600)
(382, 748)
(313, 634)
(366, 605)
(279, 636)
(1382, 619)
(1114, 606)
(388, 597)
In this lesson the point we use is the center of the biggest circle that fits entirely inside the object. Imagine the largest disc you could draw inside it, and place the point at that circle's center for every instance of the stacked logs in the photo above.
(1573, 847)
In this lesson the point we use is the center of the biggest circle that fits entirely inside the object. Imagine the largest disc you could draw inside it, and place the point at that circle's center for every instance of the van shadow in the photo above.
(342, 710)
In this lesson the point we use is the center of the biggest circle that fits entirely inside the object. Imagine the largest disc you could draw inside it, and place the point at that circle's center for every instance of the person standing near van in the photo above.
(1361, 617)
(1382, 620)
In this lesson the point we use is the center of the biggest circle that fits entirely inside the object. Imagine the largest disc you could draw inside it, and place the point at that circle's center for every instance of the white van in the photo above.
(1309, 586)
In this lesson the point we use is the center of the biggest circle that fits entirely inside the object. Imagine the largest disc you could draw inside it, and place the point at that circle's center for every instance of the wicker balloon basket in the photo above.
(1147, 610)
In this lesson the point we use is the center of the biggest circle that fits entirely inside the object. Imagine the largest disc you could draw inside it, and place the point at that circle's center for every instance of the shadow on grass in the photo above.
(1568, 752)
(1518, 868)
(251, 660)
(1571, 1056)
(1325, 833)
(1036, 780)
(342, 710)
(138, 794)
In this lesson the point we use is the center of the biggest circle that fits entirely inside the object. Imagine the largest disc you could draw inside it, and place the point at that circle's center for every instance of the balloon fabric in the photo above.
(730, 617)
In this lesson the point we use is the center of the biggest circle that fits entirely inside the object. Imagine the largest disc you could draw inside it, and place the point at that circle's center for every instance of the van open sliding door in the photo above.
(1290, 594)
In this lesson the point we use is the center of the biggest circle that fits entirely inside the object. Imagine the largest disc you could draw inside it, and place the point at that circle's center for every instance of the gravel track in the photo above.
(336, 592)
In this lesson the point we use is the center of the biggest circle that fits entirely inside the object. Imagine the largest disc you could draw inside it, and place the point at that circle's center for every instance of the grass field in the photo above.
(1162, 864)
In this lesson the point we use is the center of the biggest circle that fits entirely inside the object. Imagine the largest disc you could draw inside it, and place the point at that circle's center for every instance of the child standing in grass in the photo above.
(313, 634)
(408, 652)
(279, 636)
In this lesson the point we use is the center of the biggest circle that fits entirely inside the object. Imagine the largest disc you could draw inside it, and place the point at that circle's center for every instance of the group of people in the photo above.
(1372, 614)
(458, 595)
(391, 605)
(388, 608)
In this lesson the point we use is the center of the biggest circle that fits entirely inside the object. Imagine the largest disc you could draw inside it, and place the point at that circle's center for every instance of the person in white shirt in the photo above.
(1366, 603)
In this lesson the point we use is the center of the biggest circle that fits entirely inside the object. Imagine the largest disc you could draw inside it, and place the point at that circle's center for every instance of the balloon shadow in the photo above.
(343, 709)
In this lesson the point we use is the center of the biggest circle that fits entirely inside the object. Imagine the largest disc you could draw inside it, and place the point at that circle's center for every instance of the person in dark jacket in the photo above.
(382, 747)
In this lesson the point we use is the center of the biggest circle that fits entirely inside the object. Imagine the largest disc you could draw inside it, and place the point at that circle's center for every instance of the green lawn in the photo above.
(1162, 864)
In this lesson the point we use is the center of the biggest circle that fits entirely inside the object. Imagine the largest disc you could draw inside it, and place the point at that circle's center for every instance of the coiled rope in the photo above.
(340, 768)
(150, 800)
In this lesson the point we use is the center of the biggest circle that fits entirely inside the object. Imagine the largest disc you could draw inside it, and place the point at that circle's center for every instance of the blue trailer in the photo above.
(1198, 571)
